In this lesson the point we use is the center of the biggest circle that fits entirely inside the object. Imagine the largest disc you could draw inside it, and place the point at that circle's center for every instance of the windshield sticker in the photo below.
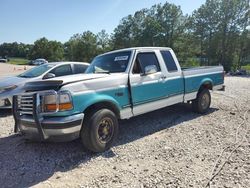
(121, 58)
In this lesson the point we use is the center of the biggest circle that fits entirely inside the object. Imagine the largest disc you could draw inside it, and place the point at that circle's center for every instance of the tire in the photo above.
(202, 103)
(100, 130)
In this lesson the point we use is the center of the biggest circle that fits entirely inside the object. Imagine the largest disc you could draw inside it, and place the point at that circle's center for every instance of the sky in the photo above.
(28, 20)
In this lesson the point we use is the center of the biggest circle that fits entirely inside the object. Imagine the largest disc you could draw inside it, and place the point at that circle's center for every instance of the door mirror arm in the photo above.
(49, 75)
(150, 69)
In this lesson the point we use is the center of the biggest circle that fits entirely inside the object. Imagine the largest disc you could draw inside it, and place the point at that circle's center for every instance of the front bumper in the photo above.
(42, 128)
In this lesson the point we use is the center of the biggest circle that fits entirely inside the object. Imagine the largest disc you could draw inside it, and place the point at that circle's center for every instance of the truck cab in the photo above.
(152, 84)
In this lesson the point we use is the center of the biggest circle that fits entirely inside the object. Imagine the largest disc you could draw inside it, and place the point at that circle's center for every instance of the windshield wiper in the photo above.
(102, 72)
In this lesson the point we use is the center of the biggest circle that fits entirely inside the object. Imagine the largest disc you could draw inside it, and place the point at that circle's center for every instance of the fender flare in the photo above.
(104, 101)
(206, 83)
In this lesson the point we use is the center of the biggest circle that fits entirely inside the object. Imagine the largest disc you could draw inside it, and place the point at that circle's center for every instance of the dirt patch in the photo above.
(172, 147)
(9, 70)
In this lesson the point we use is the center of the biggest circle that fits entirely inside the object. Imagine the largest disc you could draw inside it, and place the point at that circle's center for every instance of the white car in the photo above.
(3, 60)
(38, 62)
(13, 85)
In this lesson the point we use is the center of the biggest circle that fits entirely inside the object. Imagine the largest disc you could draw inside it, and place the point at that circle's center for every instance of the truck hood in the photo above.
(57, 83)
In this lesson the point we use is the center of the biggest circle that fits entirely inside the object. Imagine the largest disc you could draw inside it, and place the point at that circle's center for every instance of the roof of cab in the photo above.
(138, 48)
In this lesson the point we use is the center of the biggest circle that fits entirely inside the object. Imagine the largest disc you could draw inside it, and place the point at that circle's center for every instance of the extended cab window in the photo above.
(143, 60)
(169, 61)
(80, 68)
(62, 70)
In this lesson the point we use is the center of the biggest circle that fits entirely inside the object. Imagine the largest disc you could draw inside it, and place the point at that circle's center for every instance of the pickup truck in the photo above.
(118, 85)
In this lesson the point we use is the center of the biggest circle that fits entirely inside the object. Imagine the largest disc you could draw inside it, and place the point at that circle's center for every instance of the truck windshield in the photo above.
(36, 71)
(110, 63)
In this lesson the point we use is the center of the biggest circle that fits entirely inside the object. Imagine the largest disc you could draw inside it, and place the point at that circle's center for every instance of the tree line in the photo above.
(216, 33)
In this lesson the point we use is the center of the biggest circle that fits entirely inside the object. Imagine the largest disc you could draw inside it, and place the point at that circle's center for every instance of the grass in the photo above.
(247, 68)
(18, 61)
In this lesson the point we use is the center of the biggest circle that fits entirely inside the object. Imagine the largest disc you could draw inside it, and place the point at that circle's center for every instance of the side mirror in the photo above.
(49, 75)
(150, 69)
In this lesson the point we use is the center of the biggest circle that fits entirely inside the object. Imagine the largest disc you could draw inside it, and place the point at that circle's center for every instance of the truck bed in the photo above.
(202, 70)
(195, 77)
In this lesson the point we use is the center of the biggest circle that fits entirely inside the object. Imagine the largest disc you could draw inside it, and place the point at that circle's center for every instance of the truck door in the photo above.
(146, 87)
(174, 82)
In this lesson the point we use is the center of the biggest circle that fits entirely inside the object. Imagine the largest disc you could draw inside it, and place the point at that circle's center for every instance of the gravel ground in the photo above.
(172, 147)
(8, 69)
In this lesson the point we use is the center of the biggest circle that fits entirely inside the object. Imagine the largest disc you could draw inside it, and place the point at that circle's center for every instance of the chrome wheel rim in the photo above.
(105, 130)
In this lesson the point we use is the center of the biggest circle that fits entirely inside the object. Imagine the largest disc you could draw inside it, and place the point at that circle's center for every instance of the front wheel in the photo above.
(202, 103)
(100, 129)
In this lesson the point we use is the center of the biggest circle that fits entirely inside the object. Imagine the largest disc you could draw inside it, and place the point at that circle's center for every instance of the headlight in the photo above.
(65, 102)
(53, 102)
(8, 88)
(50, 103)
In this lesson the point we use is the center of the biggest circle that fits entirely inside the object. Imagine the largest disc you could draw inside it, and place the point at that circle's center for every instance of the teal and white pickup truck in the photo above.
(118, 85)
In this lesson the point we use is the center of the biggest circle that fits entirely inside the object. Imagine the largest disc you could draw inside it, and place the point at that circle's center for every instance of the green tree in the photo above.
(204, 24)
(55, 51)
(50, 50)
(81, 47)
(161, 25)
(123, 33)
(14, 49)
(103, 42)
(215, 33)
(220, 26)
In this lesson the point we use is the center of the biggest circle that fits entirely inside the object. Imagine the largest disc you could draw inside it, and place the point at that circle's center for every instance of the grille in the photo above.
(25, 104)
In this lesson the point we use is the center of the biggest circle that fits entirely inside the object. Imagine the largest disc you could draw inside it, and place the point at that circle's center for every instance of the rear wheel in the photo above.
(99, 130)
(202, 103)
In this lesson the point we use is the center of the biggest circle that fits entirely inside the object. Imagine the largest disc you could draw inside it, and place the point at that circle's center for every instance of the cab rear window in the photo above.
(169, 61)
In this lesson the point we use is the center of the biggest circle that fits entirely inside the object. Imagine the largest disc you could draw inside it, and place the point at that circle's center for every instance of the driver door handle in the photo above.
(163, 77)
